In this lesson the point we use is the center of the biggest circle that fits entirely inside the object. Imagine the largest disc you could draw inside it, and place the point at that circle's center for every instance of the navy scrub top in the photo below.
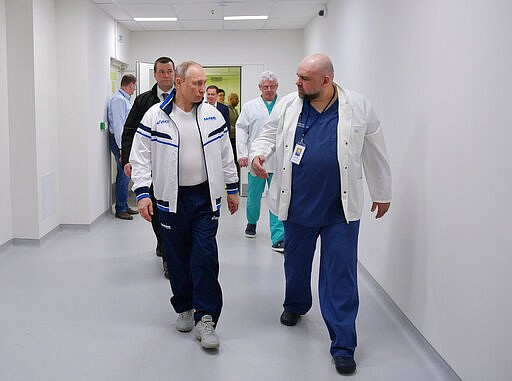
(316, 184)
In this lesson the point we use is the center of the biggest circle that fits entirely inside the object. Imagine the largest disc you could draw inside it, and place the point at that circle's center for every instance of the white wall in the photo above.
(122, 43)
(55, 62)
(46, 114)
(22, 125)
(5, 189)
(438, 73)
(86, 41)
(100, 44)
(279, 51)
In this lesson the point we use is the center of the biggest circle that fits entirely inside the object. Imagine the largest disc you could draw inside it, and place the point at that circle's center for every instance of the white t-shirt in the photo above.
(192, 168)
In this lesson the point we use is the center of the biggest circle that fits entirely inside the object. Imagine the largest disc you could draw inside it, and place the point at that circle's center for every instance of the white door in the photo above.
(145, 76)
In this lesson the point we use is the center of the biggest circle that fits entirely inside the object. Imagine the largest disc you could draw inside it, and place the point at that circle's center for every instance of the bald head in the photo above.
(315, 75)
(319, 63)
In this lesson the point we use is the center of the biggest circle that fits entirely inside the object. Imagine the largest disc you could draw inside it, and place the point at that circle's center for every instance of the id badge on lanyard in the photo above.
(300, 147)
(298, 152)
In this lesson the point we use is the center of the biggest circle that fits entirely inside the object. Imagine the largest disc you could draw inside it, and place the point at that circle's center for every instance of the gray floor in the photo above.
(92, 304)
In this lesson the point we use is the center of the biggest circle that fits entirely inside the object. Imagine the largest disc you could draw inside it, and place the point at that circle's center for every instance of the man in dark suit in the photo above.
(212, 92)
(164, 76)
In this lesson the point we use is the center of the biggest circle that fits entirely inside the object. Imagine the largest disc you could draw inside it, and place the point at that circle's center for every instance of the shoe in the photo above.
(124, 216)
(185, 321)
(250, 231)
(345, 365)
(205, 332)
(132, 211)
(279, 246)
(289, 318)
(166, 270)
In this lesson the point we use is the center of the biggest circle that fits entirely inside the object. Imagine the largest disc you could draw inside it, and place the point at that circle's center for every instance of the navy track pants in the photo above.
(190, 248)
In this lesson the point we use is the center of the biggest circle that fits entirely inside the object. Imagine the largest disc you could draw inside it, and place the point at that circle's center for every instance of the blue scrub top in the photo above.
(316, 184)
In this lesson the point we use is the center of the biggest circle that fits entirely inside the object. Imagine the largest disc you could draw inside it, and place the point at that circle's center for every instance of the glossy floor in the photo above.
(92, 304)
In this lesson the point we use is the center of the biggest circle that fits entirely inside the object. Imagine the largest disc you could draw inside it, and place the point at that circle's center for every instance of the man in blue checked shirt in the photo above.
(117, 112)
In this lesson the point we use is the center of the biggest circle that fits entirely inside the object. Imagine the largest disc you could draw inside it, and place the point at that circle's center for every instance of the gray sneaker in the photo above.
(205, 332)
(185, 321)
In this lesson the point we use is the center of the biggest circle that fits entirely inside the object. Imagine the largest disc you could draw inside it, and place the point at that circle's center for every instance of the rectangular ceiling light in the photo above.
(155, 19)
(230, 18)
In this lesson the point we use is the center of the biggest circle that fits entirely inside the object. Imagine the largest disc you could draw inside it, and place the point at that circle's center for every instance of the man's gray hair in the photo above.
(268, 76)
(182, 68)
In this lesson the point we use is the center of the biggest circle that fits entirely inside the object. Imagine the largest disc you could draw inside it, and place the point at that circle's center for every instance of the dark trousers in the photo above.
(190, 246)
(122, 181)
(155, 221)
(233, 147)
(337, 283)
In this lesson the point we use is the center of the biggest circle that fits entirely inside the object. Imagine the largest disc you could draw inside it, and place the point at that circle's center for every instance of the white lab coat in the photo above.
(360, 145)
(250, 123)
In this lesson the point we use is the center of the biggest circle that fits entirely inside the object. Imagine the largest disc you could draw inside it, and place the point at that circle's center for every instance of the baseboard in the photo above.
(52, 233)
(394, 310)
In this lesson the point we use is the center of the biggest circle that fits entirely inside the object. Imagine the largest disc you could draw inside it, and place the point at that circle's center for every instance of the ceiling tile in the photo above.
(288, 23)
(151, 2)
(295, 9)
(249, 9)
(132, 26)
(198, 12)
(244, 25)
(161, 25)
(115, 11)
(209, 14)
(155, 10)
(202, 24)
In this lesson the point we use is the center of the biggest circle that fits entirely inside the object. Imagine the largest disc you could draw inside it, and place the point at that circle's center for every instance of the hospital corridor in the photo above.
(92, 304)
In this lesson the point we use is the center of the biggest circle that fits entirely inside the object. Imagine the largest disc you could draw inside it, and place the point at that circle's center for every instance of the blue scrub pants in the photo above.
(337, 284)
(256, 186)
(190, 248)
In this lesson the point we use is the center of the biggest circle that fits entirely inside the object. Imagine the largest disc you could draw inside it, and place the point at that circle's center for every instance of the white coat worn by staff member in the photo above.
(255, 114)
(182, 147)
(323, 137)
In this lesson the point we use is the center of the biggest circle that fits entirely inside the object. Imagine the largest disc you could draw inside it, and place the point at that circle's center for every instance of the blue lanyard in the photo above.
(303, 119)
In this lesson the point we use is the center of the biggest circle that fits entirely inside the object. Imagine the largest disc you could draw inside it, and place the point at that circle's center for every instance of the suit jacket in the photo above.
(233, 116)
(224, 110)
(141, 104)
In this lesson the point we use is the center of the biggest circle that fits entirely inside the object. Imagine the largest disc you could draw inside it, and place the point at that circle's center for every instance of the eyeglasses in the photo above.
(271, 87)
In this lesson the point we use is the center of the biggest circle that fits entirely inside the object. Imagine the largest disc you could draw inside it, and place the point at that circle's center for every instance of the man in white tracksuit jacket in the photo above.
(182, 147)
(255, 114)
(323, 137)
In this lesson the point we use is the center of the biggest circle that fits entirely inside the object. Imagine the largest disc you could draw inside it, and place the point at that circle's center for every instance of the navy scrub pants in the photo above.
(337, 284)
(190, 248)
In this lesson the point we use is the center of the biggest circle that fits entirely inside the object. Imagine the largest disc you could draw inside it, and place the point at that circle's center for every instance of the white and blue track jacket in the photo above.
(155, 153)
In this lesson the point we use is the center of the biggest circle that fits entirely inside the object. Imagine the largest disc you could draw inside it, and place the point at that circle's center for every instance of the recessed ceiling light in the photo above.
(155, 19)
(230, 18)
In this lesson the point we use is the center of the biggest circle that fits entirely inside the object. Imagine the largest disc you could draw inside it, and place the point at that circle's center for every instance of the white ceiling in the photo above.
(209, 14)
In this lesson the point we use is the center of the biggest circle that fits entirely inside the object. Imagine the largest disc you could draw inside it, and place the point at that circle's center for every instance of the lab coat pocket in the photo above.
(357, 138)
